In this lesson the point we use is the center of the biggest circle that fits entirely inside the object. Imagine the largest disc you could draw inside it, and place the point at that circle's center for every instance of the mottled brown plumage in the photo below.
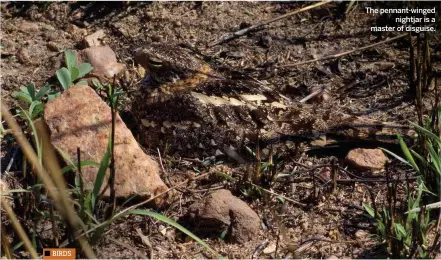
(193, 109)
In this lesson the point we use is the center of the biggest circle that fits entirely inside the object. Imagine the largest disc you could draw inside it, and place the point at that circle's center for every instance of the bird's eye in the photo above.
(155, 63)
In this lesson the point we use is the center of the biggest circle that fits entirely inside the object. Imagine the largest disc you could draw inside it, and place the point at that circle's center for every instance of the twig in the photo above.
(113, 107)
(19, 229)
(313, 94)
(5, 244)
(163, 169)
(280, 195)
(260, 248)
(342, 53)
(349, 180)
(231, 36)
(14, 153)
(134, 250)
(145, 240)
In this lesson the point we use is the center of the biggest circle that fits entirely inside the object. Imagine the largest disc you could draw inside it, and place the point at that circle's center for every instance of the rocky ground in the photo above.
(300, 216)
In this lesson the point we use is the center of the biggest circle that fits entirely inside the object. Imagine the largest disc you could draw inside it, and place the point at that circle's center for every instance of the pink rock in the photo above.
(221, 211)
(103, 60)
(94, 38)
(79, 118)
(26, 26)
(367, 159)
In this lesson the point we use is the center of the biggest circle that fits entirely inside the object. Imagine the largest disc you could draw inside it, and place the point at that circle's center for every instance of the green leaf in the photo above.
(31, 90)
(23, 96)
(63, 76)
(43, 91)
(53, 95)
(101, 173)
(75, 165)
(25, 90)
(35, 109)
(84, 68)
(400, 229)
(17, 246)
(407, 153)
(31, 123)
(70, 58)
(399, 158)
(74, 73)
(427, 132)
(369, 210)
(173, 223)
(82, 82)
(435, 157)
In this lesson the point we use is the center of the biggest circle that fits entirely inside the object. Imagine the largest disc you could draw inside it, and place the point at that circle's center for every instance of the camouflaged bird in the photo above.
(193, 110)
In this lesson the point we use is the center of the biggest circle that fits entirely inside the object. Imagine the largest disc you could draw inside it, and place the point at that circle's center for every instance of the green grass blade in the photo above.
(435, 157)
(37, 141)
(75, 165)
(369, 210)
(427, 133)
(407, 153)
(101, 174)
(351, 3)
(173, 223)
(396, 156)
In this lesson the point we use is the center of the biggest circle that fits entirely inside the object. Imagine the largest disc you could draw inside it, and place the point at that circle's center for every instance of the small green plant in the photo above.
(73, 71)
(34, 98)
(426, 158)
(403, 232)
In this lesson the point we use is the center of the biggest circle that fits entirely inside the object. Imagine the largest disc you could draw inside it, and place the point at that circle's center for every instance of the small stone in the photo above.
(94, 38)
(266, 41)
(103, 60)
(53, 46)
(23, 56)
(333, 257)
(221, 211)
(26, 26)
(384, 65)
(3, 188)
(149, 15)
(167, 124)
(360, 234)
(271, 248)
(75, 33)
(178, 23)
(156, 38)
(85, 123)
(367, 159)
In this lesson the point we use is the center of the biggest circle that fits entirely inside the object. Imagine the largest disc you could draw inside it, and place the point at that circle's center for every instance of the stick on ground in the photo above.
(231, 36)
(342, 53)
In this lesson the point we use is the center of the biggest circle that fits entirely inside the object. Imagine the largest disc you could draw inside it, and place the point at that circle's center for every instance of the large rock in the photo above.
(222, 212)
(79, 118)
(367, 159)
